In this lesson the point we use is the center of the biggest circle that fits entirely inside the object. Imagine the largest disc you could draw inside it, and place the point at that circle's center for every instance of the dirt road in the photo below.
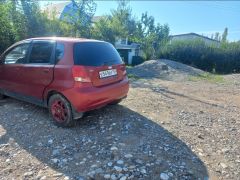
(164, 130)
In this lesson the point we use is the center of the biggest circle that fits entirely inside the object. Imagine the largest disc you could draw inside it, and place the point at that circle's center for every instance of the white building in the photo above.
(64, 11)
(194, 36)
(127, 50)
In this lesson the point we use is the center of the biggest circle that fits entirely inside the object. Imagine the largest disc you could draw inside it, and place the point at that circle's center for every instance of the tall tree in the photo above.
(18, 20)
(34, 18)
(122, 24)
(154, 36)
(224, 35)
(122, 21)
(102, 30)
(7, 35)
(217, 36)
(81, 17)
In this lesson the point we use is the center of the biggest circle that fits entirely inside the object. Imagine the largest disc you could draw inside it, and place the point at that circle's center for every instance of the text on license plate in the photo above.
(108, 73)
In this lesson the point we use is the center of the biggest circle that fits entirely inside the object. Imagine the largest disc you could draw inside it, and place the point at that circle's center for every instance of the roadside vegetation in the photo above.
(222, 59)
(209, 77)
(133, 77)
(21, 19)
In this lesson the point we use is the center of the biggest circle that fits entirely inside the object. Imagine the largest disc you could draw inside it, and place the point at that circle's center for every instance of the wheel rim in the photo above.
(59, 111)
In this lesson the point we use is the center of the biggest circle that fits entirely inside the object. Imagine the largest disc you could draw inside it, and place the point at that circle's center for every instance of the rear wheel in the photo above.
(60, 111)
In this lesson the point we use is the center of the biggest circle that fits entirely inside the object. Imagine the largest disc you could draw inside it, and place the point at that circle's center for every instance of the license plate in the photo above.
(108, 73)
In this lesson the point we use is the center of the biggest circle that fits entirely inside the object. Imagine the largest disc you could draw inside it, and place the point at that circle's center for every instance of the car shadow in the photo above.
(94, 147)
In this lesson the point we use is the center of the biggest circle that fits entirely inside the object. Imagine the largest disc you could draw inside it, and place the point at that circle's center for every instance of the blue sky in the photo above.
(202, 17)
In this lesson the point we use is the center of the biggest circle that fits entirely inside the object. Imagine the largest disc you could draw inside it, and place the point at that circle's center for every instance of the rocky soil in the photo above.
(168, 128)
(165, 70)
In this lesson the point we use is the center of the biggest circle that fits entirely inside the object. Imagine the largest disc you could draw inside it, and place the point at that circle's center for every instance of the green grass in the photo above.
(133, 77)
(213, 78)
(129, 66)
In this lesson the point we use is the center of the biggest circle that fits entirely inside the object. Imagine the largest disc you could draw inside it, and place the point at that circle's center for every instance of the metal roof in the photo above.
(194, 34)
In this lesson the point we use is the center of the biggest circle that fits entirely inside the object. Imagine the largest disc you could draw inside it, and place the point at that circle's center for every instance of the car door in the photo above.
(38, 70)
(11, 66)
(1, 73)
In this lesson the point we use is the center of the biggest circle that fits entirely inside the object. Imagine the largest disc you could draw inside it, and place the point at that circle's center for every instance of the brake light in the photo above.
(123, 68)
(80, 74)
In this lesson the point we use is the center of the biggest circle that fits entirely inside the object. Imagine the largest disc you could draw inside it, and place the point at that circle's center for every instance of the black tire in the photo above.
(60, 111)
(115, 102)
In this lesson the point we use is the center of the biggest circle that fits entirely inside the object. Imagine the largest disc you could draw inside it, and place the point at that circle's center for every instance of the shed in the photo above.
(127, 50)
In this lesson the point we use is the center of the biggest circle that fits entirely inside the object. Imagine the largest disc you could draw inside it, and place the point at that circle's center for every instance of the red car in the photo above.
(68, 75)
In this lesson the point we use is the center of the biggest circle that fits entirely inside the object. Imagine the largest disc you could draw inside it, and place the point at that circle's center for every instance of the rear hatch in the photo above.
(100, 61)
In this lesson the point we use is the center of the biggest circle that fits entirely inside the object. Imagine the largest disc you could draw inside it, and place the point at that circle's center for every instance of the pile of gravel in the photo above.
(164, 69)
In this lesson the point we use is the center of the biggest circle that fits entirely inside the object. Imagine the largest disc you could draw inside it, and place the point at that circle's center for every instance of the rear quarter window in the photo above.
(59, 51)
(95, 54)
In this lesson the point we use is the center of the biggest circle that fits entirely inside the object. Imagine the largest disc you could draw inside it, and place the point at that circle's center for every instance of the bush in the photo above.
(7, 34)
(23, 21)
(224, 58)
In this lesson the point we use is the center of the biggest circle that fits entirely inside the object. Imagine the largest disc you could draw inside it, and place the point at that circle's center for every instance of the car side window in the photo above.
(41, 52)
(59, 51)
(17, 55)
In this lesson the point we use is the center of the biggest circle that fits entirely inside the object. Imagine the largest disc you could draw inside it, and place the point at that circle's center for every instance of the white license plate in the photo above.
(108, 73)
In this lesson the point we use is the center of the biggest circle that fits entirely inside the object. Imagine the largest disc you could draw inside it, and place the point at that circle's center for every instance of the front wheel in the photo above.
(60, 111)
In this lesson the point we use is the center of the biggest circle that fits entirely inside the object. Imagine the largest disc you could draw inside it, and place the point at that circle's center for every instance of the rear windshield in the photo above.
(95, 54)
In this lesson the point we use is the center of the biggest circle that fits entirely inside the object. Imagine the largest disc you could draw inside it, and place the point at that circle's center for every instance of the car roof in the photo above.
(62, 39)
(65, 39)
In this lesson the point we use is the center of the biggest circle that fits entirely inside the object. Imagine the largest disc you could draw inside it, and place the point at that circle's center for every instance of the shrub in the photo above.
(224, 58)
(7, 34)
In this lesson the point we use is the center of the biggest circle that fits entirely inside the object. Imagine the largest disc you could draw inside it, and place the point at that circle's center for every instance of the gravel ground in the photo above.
(167, 128)
(165, 70)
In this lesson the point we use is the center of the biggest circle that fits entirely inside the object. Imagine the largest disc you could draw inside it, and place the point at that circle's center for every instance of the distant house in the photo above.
(194, 36)
(55, 9)
(65, 11)
(127, 50)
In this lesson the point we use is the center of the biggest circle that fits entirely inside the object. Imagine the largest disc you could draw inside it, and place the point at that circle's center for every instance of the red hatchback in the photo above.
(68, 75)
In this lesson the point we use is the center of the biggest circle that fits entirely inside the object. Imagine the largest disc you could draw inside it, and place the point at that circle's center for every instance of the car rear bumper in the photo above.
(89, 98)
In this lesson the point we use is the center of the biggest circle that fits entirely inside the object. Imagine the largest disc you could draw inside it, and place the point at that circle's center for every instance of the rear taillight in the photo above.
(124, 72)
(80, 74)
(123, 68)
